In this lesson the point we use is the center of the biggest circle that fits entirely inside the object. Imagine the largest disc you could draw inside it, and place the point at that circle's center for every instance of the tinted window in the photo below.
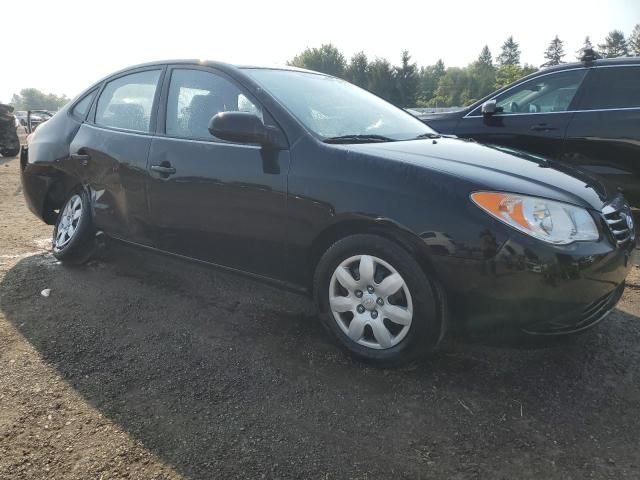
(614, 88)
(126, 102)
(195, 96)
(82, 107)
(548, 93)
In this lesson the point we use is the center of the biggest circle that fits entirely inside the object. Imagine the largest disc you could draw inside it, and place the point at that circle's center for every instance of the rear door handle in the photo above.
(542, 127)
(163, 169)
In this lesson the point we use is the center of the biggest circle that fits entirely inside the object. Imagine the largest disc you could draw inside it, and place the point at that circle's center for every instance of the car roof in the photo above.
(601, 62)
(214, 64)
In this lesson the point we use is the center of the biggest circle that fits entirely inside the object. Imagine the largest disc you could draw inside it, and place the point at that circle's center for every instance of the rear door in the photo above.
(217, 201)
(110, 153)
(532, 116)
(604, 134)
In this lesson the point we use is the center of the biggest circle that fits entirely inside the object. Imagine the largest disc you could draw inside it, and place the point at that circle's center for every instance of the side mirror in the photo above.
(489, 107)
(242, 127)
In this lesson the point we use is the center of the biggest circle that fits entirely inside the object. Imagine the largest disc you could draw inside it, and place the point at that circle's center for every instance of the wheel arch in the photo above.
(393, 232)
(61, 185)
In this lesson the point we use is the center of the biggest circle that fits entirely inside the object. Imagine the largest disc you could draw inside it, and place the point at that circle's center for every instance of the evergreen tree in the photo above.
(554, 53)
(428, 79)
(587, 45)
(634, 41)
(483, 73)
(381, 79)
(358, 70)
(485, 57)
(326, 59)
(510, 54)
(407, 81)
(614, 45)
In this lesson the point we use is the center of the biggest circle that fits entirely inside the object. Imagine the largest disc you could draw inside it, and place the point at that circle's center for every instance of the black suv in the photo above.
(586, 114)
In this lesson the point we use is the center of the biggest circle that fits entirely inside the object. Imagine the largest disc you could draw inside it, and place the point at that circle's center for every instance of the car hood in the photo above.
(425, 117)
(495, 168)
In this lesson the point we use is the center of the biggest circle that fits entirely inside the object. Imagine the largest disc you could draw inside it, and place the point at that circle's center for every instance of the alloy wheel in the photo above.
(68, 224)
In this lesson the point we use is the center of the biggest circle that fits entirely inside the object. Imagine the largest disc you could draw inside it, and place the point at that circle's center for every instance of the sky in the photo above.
(64, 46)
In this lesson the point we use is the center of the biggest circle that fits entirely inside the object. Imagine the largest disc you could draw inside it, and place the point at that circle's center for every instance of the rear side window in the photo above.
(82, 107)
(195, 96)
(613, 87)
(126, 102)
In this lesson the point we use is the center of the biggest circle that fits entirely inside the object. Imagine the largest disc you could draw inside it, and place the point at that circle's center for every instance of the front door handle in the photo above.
(163, 169)
(83, 158)
(542, 127)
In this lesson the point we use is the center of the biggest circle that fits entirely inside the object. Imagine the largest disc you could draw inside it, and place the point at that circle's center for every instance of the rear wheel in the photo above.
(73, 240)
(377, 301)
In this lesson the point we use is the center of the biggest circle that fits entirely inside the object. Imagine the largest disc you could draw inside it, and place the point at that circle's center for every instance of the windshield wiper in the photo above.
(427, 135)
(358, 139)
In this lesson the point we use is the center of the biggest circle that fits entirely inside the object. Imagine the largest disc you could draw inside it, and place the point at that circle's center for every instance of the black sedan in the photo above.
(308, 181)
(584, 114)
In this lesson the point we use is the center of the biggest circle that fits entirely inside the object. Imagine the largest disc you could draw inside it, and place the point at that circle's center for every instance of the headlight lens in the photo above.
(554, 222)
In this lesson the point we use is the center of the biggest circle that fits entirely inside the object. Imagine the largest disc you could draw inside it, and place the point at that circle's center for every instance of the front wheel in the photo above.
(10, 152)
(73, 240)
(374, 297)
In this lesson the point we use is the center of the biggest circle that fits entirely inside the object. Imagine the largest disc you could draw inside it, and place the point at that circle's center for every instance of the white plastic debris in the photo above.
(46, 292)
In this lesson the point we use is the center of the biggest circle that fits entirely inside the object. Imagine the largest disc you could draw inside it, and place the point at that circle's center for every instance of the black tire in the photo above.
(10, 152)
(427, 326)
(81, 245)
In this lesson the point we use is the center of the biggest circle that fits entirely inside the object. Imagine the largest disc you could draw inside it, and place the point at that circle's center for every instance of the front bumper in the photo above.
(538, 288)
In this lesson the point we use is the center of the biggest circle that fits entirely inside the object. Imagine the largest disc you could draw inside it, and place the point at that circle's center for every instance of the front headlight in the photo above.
(550, 221)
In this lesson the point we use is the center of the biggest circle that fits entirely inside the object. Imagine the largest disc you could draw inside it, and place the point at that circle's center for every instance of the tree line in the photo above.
(408, 85)
(34, 99)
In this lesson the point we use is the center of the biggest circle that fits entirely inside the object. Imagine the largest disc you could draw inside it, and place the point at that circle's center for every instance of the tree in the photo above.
(485, 57)
(381, 79)
(507, 74)
(326, 59)
(454, 88)
(428, 79)
(406, 81)
(634, 41)
(483, 73)
(554, 53)
(34, 99)
(510, 54)
(614, 45)
(358, 70)
(587, 45)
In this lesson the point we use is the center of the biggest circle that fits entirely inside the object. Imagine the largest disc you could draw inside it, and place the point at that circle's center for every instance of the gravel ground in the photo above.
(139, 366)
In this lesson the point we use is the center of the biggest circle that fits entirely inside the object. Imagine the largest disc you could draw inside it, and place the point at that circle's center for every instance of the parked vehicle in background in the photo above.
(584, 114)
(9, 142)
(314, 183)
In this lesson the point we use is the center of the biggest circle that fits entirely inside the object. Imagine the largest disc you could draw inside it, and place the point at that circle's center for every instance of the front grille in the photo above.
(620, 221)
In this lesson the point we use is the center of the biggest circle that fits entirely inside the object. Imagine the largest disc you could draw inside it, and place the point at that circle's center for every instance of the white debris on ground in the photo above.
(46, 292)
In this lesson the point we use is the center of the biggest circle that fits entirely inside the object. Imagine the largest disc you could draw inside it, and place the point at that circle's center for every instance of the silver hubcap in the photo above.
(69, 219)
(370, 302)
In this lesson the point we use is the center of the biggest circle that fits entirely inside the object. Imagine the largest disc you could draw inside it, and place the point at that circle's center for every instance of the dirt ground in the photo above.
(139, 366)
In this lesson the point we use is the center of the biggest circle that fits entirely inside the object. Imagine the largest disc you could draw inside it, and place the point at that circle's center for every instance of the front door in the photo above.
(532, 116)
(212, 200)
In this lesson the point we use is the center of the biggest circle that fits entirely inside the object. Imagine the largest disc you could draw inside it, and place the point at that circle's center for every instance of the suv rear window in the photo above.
(613, 87)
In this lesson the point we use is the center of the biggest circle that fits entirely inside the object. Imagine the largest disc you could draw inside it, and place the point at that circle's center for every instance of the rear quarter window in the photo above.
(82, 107)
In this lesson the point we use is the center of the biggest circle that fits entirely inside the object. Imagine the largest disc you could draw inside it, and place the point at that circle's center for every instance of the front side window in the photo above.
(614, 87)
(195, 96)
(126, 102)
(548, 93)
(331, 107)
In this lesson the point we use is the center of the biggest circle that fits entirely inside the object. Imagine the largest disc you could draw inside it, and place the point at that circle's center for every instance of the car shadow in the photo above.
(217, 373)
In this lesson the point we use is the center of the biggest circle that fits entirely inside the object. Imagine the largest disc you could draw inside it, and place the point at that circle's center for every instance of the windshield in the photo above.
(331, 107)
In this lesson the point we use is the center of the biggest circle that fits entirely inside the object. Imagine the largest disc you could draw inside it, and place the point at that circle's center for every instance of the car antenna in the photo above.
(589, 55)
